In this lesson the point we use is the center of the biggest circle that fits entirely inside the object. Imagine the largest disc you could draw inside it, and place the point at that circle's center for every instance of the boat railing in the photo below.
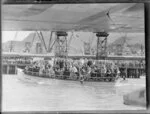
(72, 76)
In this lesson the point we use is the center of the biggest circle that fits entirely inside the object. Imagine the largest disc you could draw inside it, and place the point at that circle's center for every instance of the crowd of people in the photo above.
(82, 68)
(78, 68)
(87, 68)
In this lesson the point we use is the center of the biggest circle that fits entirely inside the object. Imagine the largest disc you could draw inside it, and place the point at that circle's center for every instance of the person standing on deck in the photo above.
(124, 75)
(75, 71)
(41, 70)
(82, 73)
(88, 72)
(103, 71)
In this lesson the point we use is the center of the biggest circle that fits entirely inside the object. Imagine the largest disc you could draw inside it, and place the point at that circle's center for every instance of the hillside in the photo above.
(76, 47)
(131, 44)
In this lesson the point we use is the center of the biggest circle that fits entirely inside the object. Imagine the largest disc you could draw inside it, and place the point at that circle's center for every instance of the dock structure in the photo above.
(9, 68)
(10, 64)
(128, 70)
(61, 45)
(132, 72)
(101, 45)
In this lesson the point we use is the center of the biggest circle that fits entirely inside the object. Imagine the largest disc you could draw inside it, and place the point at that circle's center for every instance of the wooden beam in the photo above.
(33, 39)
(50, 41)
(52, 45)
(43, 41)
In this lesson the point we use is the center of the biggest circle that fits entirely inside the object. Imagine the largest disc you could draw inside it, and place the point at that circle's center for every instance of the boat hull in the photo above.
(66, 77)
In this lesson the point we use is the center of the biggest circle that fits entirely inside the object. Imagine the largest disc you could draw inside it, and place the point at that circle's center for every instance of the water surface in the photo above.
(26, 93)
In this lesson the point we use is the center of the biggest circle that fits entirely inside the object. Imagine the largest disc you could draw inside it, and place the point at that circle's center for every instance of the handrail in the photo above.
(62, 76)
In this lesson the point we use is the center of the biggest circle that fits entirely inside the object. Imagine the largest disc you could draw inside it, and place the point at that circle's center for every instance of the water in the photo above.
(26, 93)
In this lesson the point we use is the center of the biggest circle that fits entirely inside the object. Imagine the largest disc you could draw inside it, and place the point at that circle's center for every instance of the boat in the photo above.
(66, 76)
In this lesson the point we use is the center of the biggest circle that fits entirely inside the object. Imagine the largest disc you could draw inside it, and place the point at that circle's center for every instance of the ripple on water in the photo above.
(30, 94)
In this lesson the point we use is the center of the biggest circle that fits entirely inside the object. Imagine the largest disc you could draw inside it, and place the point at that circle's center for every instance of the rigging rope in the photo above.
(108, 15)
